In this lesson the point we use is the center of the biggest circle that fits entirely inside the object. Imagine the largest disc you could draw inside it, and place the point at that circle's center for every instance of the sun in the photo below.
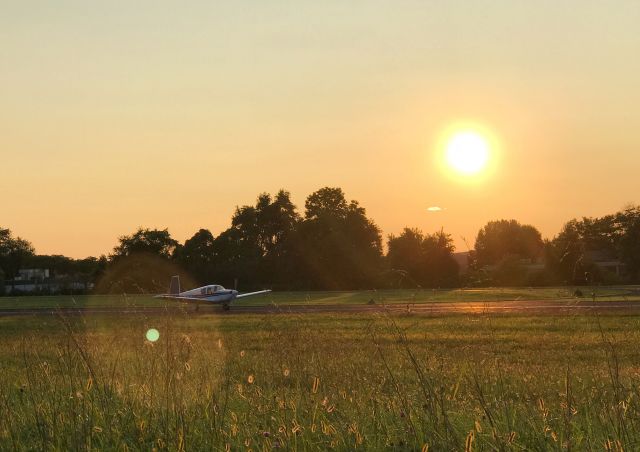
(467, 152)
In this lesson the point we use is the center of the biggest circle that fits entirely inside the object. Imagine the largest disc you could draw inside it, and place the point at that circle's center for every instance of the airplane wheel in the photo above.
(226, 306)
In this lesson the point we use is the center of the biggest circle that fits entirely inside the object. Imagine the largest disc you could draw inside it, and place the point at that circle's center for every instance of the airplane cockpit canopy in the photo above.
(210, 290)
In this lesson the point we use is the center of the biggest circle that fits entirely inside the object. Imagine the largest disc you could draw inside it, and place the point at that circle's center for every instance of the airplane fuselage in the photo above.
(211, 294)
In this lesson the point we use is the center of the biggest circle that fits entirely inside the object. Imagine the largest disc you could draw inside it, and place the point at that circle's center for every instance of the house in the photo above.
(605, 260)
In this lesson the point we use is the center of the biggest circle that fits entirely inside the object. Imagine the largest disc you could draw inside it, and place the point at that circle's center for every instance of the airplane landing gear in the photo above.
(226, 306)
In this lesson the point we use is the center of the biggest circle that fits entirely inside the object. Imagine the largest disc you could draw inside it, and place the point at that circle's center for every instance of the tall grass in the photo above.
(320, 382)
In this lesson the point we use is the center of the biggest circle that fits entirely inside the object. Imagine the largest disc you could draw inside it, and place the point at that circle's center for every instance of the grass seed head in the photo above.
(469, 441)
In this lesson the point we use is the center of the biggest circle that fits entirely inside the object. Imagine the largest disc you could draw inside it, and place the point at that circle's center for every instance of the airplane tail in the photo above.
(174, 287)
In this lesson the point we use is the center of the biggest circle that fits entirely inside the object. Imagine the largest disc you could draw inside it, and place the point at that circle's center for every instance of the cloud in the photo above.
(434, 209)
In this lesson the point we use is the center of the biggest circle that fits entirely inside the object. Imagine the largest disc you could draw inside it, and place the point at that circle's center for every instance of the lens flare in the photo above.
(152, 335)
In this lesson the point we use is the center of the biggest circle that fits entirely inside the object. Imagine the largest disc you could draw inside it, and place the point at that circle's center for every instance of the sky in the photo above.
(118, 115)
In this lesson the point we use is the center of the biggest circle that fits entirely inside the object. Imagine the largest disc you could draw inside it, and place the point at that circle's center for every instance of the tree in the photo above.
(405, 254)
(197, 255)
(256, 249)
(628, 240)
(276, 219)
(426, 260)
(327, 202)
(440, 268)
(499, 240)
(565, 256)
(148, 241)
(141, 263)
(575, 252)
(502, 251)
(337, 246)
(13, 252)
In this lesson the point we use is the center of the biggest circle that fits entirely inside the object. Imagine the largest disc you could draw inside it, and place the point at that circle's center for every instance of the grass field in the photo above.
(623, 293)
(314, 382)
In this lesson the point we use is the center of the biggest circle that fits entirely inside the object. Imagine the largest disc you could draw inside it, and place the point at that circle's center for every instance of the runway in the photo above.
(531, 307)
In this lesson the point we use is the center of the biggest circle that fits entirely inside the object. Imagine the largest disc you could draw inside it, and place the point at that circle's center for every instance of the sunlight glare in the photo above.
(467, 152)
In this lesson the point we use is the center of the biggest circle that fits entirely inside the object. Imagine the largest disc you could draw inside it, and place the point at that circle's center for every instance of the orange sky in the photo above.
(117, 116)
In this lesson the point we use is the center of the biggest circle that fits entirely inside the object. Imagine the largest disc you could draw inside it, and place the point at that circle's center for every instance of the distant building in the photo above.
(41, 280)
(616, 267)
(606, 260)
(33, 274)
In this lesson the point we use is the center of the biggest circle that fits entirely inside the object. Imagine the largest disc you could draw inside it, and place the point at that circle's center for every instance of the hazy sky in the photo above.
(115, 115)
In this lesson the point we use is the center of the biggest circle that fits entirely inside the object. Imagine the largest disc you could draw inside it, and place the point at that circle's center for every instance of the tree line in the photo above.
(334, 245)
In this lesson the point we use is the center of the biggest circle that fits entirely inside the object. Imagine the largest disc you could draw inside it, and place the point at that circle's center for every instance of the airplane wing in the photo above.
(242, 295)
(177, 297)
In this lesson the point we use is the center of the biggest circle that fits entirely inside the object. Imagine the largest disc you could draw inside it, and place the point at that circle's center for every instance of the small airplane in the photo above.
(211, 294)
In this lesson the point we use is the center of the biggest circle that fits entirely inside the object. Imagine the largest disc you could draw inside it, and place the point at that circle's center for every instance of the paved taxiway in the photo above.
(531, 307)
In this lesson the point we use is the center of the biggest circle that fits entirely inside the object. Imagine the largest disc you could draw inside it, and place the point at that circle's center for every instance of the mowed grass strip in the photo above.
(622, 293)
(313, 382)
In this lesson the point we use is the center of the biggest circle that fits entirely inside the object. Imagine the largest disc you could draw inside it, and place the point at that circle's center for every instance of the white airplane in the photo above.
(211, 294)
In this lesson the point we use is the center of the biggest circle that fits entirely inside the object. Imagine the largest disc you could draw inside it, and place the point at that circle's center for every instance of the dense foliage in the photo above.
(13, 252)
(424, 260)
(334, 245)
(500, 240)
(573, 254)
